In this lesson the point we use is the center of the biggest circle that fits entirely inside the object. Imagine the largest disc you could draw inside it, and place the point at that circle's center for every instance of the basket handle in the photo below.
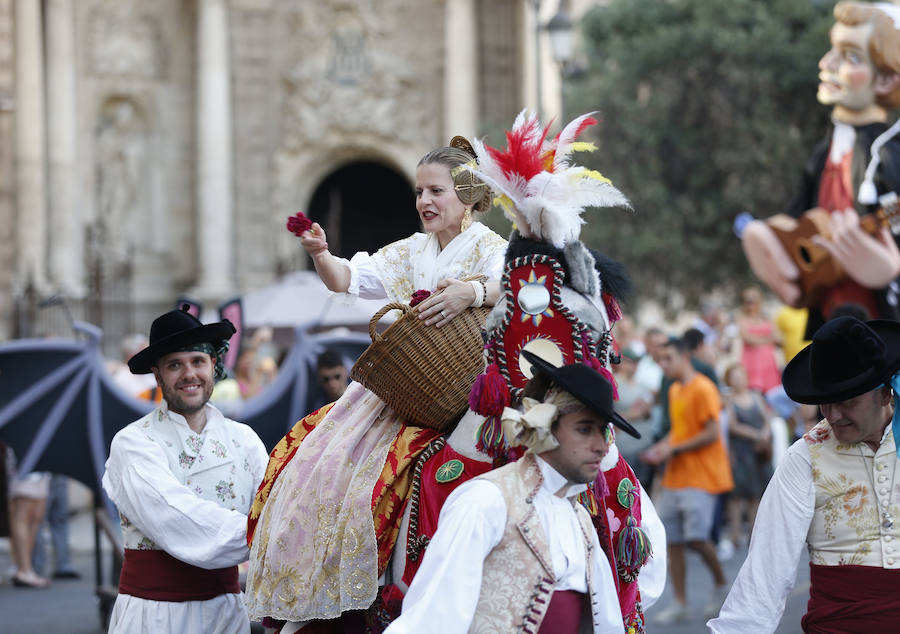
(381, 313)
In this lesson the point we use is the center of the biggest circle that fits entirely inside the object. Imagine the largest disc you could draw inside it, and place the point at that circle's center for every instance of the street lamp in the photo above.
(562, 39)
(562, 47)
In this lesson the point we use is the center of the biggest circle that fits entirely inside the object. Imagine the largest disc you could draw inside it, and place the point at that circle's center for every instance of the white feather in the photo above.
(551, 203)
(566, 138)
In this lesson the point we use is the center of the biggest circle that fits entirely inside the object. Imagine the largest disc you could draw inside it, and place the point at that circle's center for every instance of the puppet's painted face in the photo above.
(846, 72)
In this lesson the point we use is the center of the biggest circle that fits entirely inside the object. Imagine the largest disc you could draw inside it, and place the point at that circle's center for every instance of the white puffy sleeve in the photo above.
(608, 613)
(141, 485)
(756, 600)
(652, 580)
(257, 456)
(470, 525)
(364, 280)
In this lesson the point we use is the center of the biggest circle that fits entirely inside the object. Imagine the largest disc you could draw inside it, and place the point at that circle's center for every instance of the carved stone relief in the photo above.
(124, 40)
(352, 80)
(120, 150)
(350, 69)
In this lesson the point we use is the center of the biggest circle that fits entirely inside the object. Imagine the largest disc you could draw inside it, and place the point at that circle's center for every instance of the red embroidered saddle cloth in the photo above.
(844, 599)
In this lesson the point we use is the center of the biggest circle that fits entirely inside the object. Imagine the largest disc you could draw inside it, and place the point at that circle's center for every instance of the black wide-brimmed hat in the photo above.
(587, 385)
(173, 331)
(847, 357)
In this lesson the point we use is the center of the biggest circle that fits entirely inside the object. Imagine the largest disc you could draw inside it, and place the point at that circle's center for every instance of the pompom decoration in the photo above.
(490, 439)
(613, 311)
(601, 484)
(588, 500)
(603, 371)
(298, 224)
(489, 394)
(633, 547)
(418, 297)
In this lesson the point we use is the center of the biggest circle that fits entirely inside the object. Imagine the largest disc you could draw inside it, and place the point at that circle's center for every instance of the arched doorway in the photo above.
(363, 206)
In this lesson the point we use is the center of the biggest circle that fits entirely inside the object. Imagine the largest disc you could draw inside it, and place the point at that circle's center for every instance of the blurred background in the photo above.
(154, 149)
(151, 152)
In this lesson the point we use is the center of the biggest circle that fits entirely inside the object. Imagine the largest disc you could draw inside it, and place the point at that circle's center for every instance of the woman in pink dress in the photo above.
(759, 338)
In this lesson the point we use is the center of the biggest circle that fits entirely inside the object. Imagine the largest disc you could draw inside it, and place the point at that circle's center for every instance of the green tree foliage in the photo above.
(707, 109)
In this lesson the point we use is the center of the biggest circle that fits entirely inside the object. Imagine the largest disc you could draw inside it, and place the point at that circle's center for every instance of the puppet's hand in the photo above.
(871, 261)
(771, 262)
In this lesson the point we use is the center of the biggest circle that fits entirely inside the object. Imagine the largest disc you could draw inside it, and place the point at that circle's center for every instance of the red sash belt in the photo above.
(158, 576)
(845, 599)
(564, 613)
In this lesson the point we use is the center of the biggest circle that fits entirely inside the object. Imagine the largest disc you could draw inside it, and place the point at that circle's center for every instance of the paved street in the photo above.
(66, 606)
(69, 606)
(699, 587)
(72, 607)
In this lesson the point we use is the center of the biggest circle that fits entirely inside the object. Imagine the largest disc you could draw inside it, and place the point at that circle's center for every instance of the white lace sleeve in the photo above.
(364, 279)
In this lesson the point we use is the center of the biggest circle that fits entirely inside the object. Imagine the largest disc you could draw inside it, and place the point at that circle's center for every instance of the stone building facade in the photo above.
(152, 150)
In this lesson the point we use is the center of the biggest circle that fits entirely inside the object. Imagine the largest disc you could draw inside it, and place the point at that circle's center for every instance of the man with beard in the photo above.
(857, 163)
(183, 478)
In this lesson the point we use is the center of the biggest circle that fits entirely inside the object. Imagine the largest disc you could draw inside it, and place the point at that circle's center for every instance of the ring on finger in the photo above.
(443, 313)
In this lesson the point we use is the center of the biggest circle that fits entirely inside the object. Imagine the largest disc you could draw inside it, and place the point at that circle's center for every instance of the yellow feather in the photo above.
(506, 204)
(597, 176)
(583, 146)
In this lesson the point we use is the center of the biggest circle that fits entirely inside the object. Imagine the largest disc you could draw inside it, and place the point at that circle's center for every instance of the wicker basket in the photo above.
(423, 373)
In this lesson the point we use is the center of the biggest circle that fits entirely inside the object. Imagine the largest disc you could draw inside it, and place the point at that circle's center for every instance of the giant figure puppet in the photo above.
(833, 248)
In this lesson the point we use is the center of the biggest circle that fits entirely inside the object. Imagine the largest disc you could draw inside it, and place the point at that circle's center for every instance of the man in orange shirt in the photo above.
(697, 470)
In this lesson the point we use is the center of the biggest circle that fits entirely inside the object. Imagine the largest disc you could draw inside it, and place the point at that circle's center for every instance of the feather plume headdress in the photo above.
(537, 186)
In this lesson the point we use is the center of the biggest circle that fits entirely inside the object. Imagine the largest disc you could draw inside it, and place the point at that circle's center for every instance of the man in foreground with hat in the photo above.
(182, 478)
(833, 492)
(514, 551)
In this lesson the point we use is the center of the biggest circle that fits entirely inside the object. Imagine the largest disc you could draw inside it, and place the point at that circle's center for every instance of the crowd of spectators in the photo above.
(711, 443)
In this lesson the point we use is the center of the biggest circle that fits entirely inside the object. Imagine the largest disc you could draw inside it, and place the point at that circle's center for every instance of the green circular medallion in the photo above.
(449, 471)
(625, 492)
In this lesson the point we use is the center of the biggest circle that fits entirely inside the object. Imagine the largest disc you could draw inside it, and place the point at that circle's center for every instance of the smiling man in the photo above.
(183, 478)
(858, 161)
(514, 550)
(833, 493)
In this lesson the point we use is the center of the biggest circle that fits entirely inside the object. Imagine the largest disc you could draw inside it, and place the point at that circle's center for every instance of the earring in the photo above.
(466, 220)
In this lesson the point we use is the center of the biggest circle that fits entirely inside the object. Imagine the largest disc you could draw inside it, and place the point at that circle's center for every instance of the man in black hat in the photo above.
(183, 478)
(516, 537)
(833, 492)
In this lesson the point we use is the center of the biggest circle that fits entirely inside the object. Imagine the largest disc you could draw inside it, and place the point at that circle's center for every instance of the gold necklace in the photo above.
(887, 520)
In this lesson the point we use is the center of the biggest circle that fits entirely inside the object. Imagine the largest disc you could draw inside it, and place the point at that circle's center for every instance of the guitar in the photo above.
(819, 272)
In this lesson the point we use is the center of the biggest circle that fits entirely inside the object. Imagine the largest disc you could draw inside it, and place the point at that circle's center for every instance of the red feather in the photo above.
(523, 151)
(584, 125)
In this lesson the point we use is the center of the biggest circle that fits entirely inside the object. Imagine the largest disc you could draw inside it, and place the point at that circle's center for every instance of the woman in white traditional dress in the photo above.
(314, 553)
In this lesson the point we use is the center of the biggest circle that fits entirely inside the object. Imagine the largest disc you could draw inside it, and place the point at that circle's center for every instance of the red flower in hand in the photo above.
(298, 224)
(418, 296)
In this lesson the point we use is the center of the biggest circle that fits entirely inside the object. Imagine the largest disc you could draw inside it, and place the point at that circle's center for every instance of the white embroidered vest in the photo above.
(847, 526)
(212, 464)
(517, 581)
